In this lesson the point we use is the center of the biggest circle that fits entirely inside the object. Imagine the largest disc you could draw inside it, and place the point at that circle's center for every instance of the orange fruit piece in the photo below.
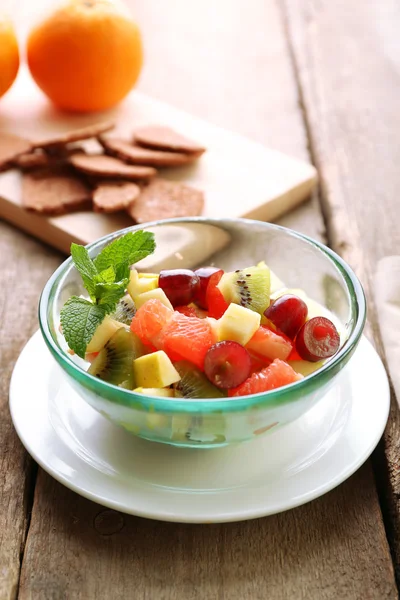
(189, 311)
(149, 321)
(267, 343)
(188, 338)
(86, 55)
(277, 374)
(9, 55)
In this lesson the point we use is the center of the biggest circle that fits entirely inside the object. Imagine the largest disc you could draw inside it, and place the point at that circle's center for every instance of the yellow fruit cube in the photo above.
(165, 393)
(154, 370)
(238, 324)
(139, 284)
(157, 294)
(102, 334)
(304, 367)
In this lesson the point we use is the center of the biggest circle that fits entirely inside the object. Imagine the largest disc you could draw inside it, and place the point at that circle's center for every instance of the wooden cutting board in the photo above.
(240, 178)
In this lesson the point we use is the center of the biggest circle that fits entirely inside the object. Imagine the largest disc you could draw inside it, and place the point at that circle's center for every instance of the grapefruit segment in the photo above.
(215, 300)
(269, 344)
(149, 321)
(187, 337)
(276, 375)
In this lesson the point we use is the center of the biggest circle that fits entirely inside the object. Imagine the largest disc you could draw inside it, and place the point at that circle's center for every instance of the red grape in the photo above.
(227, 364)
(288, 313)
(317, 339)
(180, 285)
(204, 275)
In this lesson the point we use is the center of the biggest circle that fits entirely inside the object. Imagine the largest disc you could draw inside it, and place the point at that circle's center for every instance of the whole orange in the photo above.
(9, 55)
(87, 55)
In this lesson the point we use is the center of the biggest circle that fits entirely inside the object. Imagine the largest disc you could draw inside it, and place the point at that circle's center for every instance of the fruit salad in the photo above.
(201, 333)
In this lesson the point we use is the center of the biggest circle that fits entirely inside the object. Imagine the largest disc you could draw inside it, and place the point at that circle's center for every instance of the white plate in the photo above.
(284, 469)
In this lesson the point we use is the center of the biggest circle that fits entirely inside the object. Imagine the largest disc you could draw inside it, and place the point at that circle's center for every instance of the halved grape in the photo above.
(180, 285)
(227, 364)
(317, 339)
(288, 313)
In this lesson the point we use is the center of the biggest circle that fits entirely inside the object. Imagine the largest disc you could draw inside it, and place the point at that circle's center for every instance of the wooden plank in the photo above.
(348, 60)
(80, 550)
(335, 547)
(24, 268)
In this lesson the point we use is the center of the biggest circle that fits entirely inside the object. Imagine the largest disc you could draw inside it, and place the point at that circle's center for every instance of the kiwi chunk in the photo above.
(114, 363)
(248, 287)
(193, 383)
(125, 310)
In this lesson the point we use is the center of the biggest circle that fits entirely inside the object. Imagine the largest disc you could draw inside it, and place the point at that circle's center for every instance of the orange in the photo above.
(87, 55)
(267, 343)
(276, 375)
(9, 55)
(149, 320)
(188, 338)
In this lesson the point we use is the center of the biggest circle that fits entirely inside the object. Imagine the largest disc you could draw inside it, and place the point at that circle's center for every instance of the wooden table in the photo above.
(319, 80)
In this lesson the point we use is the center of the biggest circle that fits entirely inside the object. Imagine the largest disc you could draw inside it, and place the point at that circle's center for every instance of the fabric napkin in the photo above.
(387, 293)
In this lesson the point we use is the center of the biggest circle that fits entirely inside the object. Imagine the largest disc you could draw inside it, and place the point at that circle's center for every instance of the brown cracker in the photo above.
(114, 196)
(40, 158)
(163, 199)
(107, 166)
(165, 138)
(32, 160)
(10, 147)
(54, 191)
(145, 156)
(84, 133)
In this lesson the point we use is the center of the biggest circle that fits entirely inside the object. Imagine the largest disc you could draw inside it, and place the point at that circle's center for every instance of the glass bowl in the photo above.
(230, 244)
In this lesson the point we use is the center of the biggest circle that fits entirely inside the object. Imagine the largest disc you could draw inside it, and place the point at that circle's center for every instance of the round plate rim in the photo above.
(220, 517)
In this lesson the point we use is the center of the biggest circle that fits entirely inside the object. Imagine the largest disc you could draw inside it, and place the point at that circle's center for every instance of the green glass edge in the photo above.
(280, 396)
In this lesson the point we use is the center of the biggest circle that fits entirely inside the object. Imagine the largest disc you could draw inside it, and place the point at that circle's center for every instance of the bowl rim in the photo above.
(129, 398)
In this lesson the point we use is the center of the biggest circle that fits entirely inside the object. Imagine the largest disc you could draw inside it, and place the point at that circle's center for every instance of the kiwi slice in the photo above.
(114, 363)
(248, 287)
(193, 383)
(125, 310)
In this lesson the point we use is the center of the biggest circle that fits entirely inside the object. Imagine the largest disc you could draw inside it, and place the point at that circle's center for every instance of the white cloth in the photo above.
(387, 293)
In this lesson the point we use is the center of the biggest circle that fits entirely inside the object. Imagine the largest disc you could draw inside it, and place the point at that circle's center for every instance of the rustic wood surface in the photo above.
(230, 61)
(351, 53)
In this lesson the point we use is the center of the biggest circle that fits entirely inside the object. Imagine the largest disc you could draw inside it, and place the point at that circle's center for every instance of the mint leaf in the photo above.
(108, 294)
(79, 320)
(106, 276)
(125, 251)
(85, 266)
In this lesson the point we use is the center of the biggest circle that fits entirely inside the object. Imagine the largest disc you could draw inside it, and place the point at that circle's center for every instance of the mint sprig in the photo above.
(106, 279)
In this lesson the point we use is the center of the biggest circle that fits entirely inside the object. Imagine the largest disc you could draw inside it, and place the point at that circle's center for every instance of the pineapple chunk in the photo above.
(238, 324)
(165, 393)
(304, 367)
(148, 276)
(155, 370)
(157, 294)
(139, 284)
(102, 334)
(214, 325)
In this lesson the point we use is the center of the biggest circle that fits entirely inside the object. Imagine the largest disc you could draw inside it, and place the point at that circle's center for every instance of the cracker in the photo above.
(107, 166)
(84, 133)
(163, 199)
(54, 191)
(165, 138)
(32, 160)
(40, 158)
(114, 196)
(138, 155)
(12, 146)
